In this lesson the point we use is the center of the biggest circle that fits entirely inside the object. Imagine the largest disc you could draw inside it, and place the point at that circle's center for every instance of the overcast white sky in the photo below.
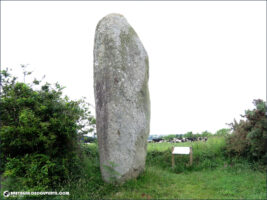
(207, 59)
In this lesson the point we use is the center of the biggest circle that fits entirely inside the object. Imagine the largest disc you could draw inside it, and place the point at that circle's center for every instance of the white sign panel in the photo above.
(181, 150)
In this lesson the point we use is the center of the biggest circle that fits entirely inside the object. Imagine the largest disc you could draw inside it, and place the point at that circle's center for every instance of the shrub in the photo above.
(40, 132)
(249, 134)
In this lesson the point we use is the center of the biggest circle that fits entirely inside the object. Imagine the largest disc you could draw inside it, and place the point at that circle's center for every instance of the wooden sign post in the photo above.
(182, 150)
(191, 156)
(172, 158)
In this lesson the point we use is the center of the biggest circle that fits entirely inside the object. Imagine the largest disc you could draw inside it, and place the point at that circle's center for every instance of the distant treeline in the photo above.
(221, 132)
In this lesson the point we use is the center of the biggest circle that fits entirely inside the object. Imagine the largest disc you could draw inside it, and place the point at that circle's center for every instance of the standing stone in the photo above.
(121, 98)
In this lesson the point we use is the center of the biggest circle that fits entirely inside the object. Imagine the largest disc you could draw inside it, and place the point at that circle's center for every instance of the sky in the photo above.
(207, 60)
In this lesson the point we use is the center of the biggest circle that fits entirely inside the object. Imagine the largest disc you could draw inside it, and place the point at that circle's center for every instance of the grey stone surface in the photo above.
(121, 98)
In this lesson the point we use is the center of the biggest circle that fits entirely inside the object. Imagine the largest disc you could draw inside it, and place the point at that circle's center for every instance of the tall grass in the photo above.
(206, 155)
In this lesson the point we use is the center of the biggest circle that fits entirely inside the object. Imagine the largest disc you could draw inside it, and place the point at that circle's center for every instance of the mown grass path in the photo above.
(224, 183)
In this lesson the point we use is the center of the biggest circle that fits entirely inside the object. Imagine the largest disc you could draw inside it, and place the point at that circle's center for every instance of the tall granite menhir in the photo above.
(121, 98)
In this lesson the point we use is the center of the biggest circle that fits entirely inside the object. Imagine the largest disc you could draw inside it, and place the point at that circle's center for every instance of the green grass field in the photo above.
(212, 176)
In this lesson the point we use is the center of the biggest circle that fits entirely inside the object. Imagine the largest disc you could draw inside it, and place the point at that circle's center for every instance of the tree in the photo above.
(206, 134)
(249, 137)
(223, 132)
(40, 131)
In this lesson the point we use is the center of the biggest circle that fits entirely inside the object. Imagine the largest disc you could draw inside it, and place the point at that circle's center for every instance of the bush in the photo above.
(40, 132)
(249, 134)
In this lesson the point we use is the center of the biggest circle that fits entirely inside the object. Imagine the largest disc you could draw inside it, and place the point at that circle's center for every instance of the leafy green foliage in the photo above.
(249, 138)
(206, 134)
(189, 135)
(87, 139)
(223, 132)
(169, 137)
(40, 132)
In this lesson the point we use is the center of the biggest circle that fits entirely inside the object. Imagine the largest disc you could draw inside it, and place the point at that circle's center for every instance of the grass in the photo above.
(212, 176)
(208, 154)
(216, 184)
